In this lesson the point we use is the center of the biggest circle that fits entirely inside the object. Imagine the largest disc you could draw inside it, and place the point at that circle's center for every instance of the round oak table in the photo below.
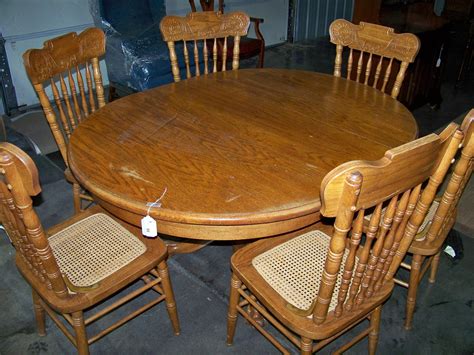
(241, 153)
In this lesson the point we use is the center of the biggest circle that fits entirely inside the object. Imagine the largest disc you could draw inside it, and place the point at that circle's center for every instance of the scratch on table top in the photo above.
(155, 130)
(129, 173)
(232, 198)
(124, 137)
(168, 121)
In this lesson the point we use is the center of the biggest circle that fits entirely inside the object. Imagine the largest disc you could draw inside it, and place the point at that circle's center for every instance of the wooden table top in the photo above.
(241, 153)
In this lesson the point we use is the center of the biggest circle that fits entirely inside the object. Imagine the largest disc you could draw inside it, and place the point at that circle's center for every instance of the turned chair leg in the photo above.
(76, 191)
(112, 93)
(412, 289)
(261, 58)
(232, 313)
(39, 315)
(170, 301)
(306, 346)
(374, 333)
(434, 267)
(80, 331)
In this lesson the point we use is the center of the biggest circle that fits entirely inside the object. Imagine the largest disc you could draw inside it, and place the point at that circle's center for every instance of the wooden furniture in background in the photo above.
(428, 244)
(423, 79)
(65, 265)
(373, 49)
(239, 167)
(203, 26)
(366, 10)
(59, 61)
(249, 47)
(423, 82)
(3, 132)
(459, 10)
(310, 297)
(467, 58)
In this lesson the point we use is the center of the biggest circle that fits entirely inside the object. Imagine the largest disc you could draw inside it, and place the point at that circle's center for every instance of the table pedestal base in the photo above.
(175, 247)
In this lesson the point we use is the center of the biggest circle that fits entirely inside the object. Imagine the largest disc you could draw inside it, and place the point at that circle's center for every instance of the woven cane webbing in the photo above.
(294, 268)
(92, 249)
(429, 216)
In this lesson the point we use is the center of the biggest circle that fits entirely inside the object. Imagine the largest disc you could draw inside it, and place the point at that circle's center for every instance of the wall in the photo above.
(313, 17)
(274, 13)
(28, 23)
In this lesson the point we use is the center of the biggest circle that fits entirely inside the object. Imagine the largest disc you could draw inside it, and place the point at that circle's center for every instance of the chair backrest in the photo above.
(457, 182)
(19, 181)
(378, 46)
(357, 188)
(58, 61)
(204, 26)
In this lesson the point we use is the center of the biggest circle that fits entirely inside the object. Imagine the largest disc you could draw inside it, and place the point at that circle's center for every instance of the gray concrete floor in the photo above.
(443, 320)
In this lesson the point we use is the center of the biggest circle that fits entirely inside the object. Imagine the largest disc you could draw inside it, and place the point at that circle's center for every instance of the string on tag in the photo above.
(149, 227)
(157, 202)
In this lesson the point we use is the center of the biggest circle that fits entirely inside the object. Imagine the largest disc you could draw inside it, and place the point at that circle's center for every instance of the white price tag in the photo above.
(149, 228)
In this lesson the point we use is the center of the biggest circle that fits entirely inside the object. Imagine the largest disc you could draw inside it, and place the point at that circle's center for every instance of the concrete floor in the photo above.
(443, 320)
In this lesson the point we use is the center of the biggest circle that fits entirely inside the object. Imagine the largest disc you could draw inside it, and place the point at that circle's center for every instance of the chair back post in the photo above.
(376, 41)
(59, 63)
(174, 61)
(424, 202)
(338, 61)
(99, 87)
(207, 27)
(52, 121)
(236, 52)
(26, 229)
(399, 80)
(459, 178)
(351, 190)
(395, 181)
(193, 5)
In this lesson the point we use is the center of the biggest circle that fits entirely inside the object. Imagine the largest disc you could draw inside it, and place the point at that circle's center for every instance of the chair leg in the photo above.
(39, 315)
(170, 301)
(374, 333)
(434, 267)
(306, 346)
(232, 313)
(412, 289)
(112, 93)
(80, 331)
(76, 192)
(261, 57)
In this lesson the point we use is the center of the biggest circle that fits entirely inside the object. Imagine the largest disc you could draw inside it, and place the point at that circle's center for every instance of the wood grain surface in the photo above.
(242, 153)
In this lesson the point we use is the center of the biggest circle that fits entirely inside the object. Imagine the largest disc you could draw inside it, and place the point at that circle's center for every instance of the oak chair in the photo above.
(60, 63)
(373, 51)
(428, 243)
(249, 47)
(310, 297)
(203, 26)
(81, 262)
